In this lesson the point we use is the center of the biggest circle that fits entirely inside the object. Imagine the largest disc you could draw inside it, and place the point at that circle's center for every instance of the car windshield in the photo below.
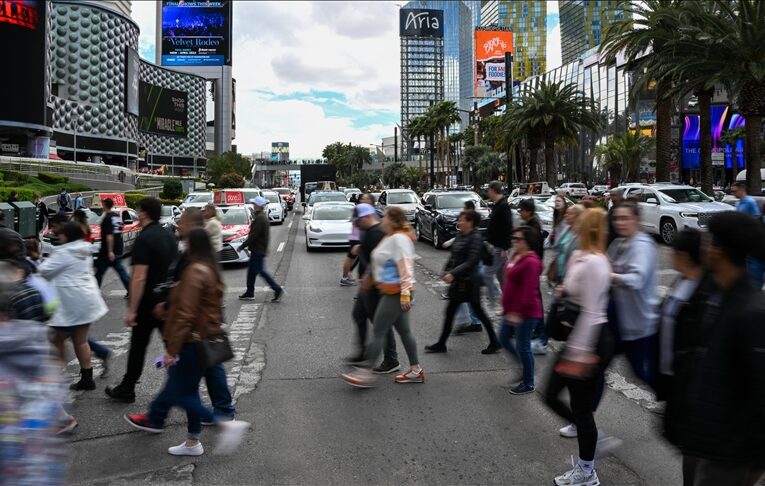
(282, 190)
(167, 211)
(332, 213)
(272, 197)
(93, 217)
(328, 198)
(402, 198)
(198, 198)
(456, 201)
(683, 195)
(233, 216)
(578, 186)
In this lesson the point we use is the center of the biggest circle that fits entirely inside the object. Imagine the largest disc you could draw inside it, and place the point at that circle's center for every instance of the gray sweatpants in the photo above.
(389, 315)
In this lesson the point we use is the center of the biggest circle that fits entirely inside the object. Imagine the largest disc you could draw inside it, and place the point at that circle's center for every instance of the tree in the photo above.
(439, 117)
(491, 166)
(365, 178)
(410, 176)
(623, 152)
(231, 181)
(227, 163)
(473, 156)
(643, 28)
(392, 174)
(347, 158)
(172, 189)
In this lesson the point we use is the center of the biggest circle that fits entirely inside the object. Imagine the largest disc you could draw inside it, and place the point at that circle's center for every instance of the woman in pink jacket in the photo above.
(522, 304)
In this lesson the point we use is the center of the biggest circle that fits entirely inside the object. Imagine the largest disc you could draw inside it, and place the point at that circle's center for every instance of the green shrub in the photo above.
(132, 198)
(23, 194)
(231, 180)
(52, 178)
(171, 189)
(12, 175)
(171, 202)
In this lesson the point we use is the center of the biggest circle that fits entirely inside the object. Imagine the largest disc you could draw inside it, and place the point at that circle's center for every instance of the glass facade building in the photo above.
(528, 21)
(582, 23)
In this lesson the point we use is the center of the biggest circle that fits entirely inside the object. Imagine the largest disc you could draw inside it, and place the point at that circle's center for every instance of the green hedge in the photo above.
(23, 194)
(52, 178)
(12, 175)
(172, 189)
(171, 202)
(132, 198)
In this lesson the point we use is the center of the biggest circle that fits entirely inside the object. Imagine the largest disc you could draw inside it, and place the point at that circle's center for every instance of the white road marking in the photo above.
(280, 248)
(289, 225)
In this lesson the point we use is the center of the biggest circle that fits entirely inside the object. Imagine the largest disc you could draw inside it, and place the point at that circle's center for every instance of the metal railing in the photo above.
(83, 170)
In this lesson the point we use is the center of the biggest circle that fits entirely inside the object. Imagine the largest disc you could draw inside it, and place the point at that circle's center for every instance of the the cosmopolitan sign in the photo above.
(417, 22)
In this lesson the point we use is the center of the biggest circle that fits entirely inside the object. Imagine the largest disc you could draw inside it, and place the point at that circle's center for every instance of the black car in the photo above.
(437, 219)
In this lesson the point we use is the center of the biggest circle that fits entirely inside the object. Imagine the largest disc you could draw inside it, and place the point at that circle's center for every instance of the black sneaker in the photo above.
(385, 368)
(435, 348)
(246, 296)
(277, 296)
(120, 393)
(491, 349)
(468, 328)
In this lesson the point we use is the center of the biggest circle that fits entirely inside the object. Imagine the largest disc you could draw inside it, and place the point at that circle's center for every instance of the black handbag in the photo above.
(487, 254)
(213, 349)
(561, 319)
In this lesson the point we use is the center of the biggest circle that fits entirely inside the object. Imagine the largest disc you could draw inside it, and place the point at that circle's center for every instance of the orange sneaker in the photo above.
(411, 376)
(361, 378)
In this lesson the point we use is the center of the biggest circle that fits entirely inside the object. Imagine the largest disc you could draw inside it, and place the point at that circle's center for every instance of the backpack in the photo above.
(62, 201)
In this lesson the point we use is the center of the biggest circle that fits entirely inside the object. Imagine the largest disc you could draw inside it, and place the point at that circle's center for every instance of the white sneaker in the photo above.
(577, 477)
(568, 431)
(231, 435)
(184, 450)
(538, 348)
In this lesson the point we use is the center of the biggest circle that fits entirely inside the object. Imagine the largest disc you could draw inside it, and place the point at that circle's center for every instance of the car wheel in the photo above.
(417, 231)
(436, 239)
(668, 231)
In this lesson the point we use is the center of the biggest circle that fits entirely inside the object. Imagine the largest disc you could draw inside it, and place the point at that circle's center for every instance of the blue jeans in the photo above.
(466, 310)
(182, 390)
(220, 396)
(523, 341)
(756, 270)
(257, 267)
(103, 264)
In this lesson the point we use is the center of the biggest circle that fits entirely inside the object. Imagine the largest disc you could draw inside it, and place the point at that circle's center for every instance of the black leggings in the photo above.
(472, 296)
(582, 395)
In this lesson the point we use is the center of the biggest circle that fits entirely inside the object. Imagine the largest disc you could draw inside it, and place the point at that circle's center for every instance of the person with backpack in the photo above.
(110, 253)
(64, 201)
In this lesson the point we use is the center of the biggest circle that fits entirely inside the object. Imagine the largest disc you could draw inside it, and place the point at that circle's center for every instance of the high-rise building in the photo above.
(582, 23)
(528, 21)
(121, 6)
(457, 55)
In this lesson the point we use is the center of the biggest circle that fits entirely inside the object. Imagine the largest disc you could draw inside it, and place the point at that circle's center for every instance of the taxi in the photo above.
(130, 224)
(235, 216)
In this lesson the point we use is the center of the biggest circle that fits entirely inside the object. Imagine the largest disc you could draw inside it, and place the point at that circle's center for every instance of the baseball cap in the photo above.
(364, 209)
(260, 201)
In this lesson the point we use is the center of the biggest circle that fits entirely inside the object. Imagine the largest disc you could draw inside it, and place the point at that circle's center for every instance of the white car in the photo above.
(406, 199)
(349, 191)
(576, 189)
(275, 209)
(667, 208)
(322, 196)
(196, 200)
(329, 225)
(599, 190)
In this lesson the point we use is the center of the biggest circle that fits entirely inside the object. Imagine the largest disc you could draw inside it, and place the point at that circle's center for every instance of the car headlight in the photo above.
(314, 229)
(685, 214)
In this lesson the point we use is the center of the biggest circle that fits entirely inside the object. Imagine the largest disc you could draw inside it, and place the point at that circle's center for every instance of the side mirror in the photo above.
(652, 200)
(305, 217)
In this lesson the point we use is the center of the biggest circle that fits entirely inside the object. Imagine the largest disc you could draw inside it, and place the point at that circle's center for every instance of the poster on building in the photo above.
(132, 81)
(162, 110)
(490, 49)
(196, 33)
(280, 151)
(25, 60)
(421, 22)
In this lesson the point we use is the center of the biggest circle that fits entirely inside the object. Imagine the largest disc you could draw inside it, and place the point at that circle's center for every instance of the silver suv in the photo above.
(404, 198)
(667, 208)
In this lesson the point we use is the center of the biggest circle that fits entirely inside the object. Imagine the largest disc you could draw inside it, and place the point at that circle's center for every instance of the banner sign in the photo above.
(162, 110)
(420, 22)
(490, 49)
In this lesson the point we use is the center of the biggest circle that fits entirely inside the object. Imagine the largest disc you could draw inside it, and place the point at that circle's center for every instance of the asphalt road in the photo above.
(460, 427)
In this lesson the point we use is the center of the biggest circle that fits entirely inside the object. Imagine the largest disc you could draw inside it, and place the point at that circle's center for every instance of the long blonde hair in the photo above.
(591, 228)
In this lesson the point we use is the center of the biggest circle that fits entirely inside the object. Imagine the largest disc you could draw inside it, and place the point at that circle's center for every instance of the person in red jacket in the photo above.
(522, 304)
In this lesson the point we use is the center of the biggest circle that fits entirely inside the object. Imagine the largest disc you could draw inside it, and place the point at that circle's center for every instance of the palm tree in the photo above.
(645, 29)
(623, 152)
(472, 158)
(442, 115)
(731, 35)
(416, 129)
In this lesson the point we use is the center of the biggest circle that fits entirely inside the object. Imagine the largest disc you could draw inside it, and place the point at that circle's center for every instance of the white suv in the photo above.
(576, 189)
(667, 208)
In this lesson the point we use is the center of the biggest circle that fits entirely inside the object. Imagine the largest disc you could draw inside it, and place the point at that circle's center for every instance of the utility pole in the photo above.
(432, 156)
(508, 101)
(395, 145)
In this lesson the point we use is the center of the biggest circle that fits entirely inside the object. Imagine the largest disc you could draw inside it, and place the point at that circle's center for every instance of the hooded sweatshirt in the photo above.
(635, 289)
(70, 270)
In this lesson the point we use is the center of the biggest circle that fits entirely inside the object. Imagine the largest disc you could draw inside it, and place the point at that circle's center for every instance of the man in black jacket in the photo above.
(720, 426)
(528, 213)
(498, 234)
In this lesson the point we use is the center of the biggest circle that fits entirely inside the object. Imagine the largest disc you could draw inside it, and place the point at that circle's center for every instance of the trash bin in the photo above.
(26, 219)
(9, 213)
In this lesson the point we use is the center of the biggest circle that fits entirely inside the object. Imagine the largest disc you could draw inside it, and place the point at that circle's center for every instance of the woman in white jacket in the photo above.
(70, 271)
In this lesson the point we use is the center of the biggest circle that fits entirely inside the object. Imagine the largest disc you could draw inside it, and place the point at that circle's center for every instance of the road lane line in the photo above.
(281, 247)
(289, 225)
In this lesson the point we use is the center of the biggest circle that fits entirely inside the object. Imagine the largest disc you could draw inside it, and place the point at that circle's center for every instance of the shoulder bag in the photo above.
(561, 319)
(213, 349)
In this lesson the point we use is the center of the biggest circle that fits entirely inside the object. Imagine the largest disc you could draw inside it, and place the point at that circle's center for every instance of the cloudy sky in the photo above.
(312, 73)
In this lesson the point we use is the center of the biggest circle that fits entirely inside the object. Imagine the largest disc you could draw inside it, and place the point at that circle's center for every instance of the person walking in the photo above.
(393, 274)
(64, 201)
(110, 252)
(153, 251)
(352, 258)
(194, 313)
(528, 213)
(522, 304)
(616, 196)
(559, 225)
(41, 214)
(257, 244)
(464, 280)
(747, 205)
(498, 233)
(70, 271)
(368, 297)
(719, 365)
(213, 227)
(589, 347)
(79, 202)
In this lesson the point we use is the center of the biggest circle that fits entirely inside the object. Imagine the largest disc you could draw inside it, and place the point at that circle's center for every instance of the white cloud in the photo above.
(296, 47)
(553, 36)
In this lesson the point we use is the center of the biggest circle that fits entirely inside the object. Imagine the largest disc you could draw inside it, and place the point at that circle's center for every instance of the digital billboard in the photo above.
(280, 151)
(162, 110)
(735, 153)
(23, 38)
(132, 68)
(196, 33)
(490, 49)
(421, 22)
(692, 137)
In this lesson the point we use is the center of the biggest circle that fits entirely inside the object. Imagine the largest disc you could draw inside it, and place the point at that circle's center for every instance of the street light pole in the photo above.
(508, 101)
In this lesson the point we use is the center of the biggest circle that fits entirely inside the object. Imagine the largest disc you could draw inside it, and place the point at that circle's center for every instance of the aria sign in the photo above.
(416, 22)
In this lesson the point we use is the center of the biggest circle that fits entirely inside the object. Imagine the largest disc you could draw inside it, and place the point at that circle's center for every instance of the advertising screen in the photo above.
(280, 151)
(162, 110)
(22, 36)
(420, 22)
(692, 136)
(132, 81)
(196, 33)
(490, 49)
